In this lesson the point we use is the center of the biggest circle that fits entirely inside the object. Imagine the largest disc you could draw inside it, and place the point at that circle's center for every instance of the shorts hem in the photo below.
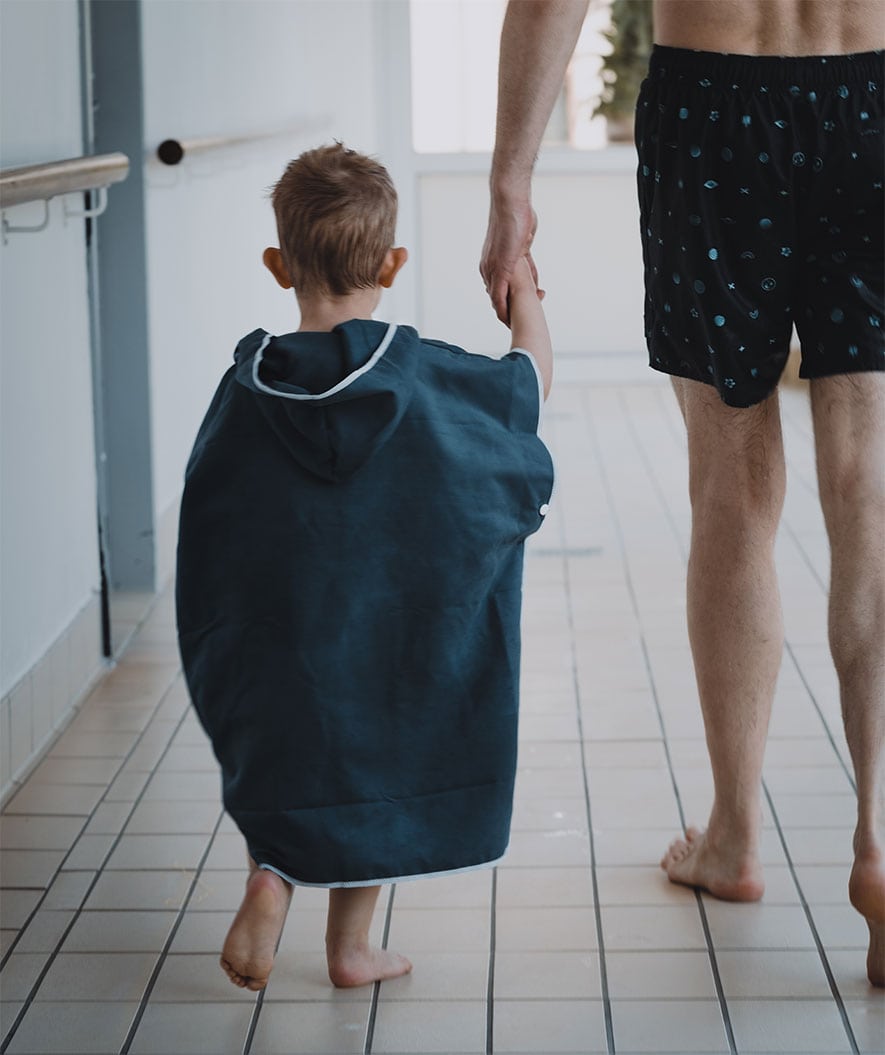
(840, 371)
(729, 399)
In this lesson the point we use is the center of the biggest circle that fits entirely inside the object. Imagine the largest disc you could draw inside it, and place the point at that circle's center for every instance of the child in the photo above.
(349, 577)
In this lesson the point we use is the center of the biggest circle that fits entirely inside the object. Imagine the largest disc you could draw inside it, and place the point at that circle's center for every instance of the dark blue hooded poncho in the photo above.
(349, 584)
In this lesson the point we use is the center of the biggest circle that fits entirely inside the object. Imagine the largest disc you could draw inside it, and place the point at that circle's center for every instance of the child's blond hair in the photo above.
(336, 219)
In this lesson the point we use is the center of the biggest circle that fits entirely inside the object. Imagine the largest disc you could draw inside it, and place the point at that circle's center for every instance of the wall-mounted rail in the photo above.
(172, 151)
(42, 182)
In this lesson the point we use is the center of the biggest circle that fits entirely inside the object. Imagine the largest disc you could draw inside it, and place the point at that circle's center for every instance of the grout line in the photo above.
(834, 988)
(600, 937)
(253, 1020)
(711, 952)
(29, 1000)
(376, 988)
(88, 817)
(170, 937)
(490, 992)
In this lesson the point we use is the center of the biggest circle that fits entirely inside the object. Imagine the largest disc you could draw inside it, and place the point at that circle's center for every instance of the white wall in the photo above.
(587, 250)
(48, 534)
(224, 68)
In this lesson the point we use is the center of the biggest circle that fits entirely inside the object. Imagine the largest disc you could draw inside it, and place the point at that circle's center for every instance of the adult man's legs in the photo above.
(849, 430)
(736, 484)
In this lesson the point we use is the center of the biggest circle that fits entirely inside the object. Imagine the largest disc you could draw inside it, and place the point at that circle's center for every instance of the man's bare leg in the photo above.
(736, 483)
(849, 429)
(251, 943)
(351, 959)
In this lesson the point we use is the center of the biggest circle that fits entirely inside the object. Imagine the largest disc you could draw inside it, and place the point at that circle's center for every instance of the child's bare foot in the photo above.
(354, 965)
(251, 943)
(693, 862)
(866, 890)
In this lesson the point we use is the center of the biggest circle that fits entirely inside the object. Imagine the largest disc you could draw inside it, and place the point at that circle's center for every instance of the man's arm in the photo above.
(537, 41)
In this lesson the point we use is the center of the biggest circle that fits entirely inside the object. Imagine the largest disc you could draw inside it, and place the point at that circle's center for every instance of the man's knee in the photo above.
(849, 430)
(736, 460)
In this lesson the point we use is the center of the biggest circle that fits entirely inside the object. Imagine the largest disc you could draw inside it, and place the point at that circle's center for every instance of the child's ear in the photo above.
(273, 261)
(396, 257)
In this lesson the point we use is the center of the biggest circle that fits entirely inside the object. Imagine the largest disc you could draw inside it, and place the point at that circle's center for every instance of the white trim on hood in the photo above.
(342, 384)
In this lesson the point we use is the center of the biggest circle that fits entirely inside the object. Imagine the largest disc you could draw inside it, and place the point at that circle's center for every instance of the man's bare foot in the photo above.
(866, 890)
(251, 943)
(354, 965)
(693, 862)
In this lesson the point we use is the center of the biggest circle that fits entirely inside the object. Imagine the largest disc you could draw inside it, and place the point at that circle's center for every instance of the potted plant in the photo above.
(624, 68)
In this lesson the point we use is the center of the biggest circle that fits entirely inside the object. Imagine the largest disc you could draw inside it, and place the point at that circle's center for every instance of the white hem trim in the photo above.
(383, 879)
(538, 378)
(342, 384)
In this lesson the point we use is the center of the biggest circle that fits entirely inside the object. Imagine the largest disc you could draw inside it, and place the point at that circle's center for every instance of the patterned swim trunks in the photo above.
(761, 201)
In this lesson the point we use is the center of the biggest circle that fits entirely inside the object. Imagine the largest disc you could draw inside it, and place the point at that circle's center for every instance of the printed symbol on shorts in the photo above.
(713, 254)
(798, 159)
(711, 184)
(719, 320)
(695, 152)
(754, 313)
(842, 91)
(727, 154)
(714, 115)
(765, 223)
(745, 190)
(872, 86)
(694, 220)
(786, 250)
(683, 113)
(729, 382)
(812, 97)
(694, 313)
(780, 123)
(731, 286)
(705, 83)
(875, 321)
(676, 278)
(817, 164)
(852, 350)
(746, 120)
(837, 315)
(795, 90)
(856, 281)
(768, 284)
(748, 254)
(864, 116)
(840, 256)
(667, 308)
(699, 286)
(829, 126)
(763, 158)
(645, 170)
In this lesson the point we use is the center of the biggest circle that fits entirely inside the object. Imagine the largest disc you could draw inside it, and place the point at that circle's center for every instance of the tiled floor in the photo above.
(120, 873)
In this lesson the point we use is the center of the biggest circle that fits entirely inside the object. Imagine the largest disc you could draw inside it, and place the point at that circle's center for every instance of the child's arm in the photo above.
(528, 326)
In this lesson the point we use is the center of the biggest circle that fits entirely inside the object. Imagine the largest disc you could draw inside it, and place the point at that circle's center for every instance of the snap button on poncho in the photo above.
(348, 593)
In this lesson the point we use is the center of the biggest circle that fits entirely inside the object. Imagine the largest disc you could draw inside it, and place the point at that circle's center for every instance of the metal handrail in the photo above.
(172, 151)
(42, 182)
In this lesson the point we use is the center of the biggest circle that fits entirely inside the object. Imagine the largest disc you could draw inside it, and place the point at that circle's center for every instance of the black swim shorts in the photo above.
(761, 201)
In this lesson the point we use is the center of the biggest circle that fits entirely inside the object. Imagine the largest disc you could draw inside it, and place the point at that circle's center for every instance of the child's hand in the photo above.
(524, 280)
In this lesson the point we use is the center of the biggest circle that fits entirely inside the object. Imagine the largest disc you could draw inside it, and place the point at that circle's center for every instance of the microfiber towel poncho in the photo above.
(348, 593)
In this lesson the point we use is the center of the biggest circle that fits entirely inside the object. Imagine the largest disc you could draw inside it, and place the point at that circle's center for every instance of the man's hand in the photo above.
(509, 239)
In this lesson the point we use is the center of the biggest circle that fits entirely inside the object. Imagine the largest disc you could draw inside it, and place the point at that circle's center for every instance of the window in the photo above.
(454, 54)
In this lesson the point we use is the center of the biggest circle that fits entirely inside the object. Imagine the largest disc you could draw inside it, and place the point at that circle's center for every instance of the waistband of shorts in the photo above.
(771, 71)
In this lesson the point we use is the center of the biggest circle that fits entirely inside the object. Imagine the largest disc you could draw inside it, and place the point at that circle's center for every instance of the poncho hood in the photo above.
(333, 399)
